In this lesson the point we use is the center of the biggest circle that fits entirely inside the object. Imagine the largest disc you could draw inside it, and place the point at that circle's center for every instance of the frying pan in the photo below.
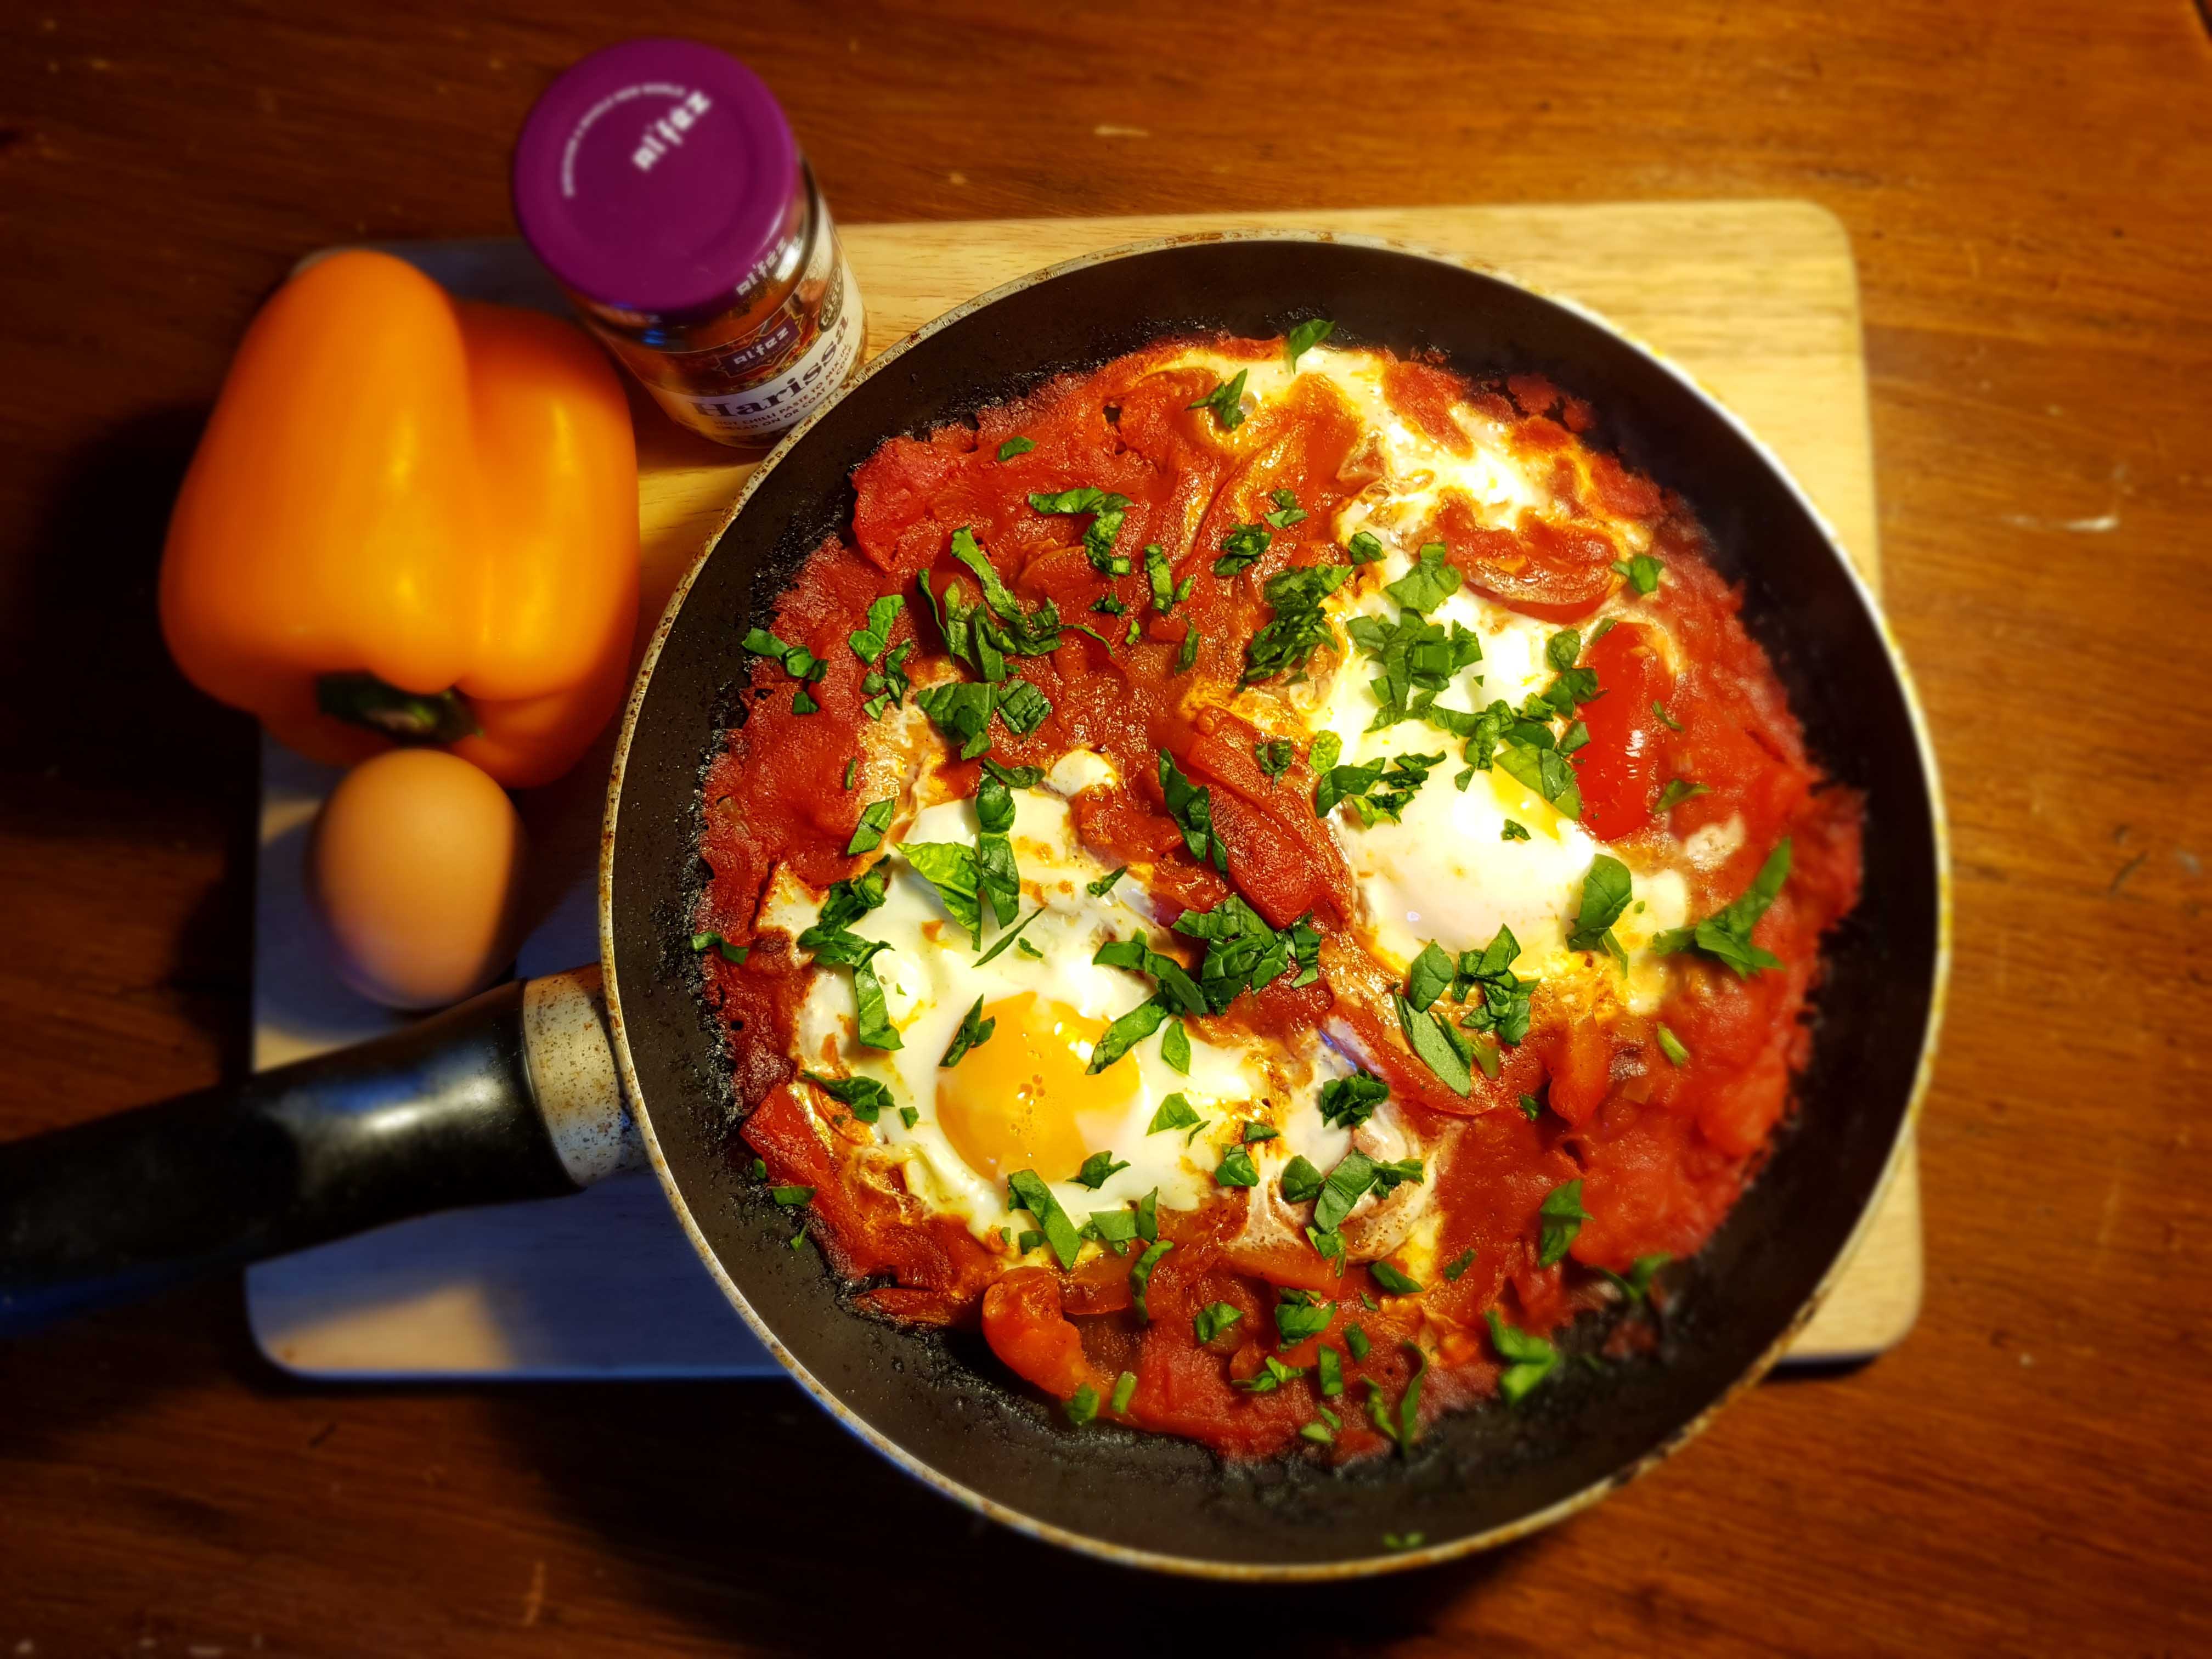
(515, 1094)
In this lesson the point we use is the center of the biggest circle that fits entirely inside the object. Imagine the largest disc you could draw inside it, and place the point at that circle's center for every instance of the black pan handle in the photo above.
(511, 1095)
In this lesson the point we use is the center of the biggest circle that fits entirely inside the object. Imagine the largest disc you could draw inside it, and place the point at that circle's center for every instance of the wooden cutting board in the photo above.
(1758, 300)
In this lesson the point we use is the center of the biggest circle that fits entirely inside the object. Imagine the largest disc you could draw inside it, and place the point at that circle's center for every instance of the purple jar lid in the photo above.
(655, 175)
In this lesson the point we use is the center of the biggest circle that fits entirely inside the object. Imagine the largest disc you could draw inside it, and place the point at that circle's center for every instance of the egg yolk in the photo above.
(1013, 1102)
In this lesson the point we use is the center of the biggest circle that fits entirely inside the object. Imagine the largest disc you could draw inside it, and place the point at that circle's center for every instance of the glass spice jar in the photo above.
(660, 184)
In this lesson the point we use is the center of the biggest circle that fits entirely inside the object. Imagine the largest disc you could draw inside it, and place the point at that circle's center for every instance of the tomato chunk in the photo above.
(1619, 768)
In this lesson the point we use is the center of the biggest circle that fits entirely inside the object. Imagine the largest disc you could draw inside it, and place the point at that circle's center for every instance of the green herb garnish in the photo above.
(875, 818)
(975, 1032)
(1528, 1359)
(1030, 1192)
(1014, 447)
(1560, 1217)
(1226, 400)
(1726, 935)
(1305, 336)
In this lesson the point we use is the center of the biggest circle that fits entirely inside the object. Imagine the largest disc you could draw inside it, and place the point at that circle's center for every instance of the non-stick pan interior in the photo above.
(939, 1402)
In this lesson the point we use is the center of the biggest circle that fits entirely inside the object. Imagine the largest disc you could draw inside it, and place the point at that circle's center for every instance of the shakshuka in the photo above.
(1270, 878)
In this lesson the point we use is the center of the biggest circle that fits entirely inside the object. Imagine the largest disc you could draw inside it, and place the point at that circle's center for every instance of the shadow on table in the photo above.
(101, 739)
(744, 1509)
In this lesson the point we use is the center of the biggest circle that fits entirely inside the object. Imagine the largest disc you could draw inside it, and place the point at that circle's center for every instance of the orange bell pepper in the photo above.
(412, 518)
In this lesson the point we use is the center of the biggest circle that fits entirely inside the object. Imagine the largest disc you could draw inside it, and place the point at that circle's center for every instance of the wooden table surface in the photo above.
(2029, 190)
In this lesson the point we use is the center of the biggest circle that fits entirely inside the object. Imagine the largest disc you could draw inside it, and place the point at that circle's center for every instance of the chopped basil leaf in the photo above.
(1305, 336)
(791, 1197)
(1029, 950)
(1140, 1277)
(1530, 1359)
(801, 703)
(1637, 1285)
(1082, 1405)
(759, 1167)
(1296, 1321)
(1014, 447)
(875, 818)
(1432, 579)
(1671, 1046)
(1214, 1318)
(1187, 653)
(873, 1028)
(1378, 789)
(1434, 1044)
(1236, 1168)
(1287, 511)
(1030, 1193)
(1255, 1133)
(1301, 1181)
(1097, 1170)
(1244, 954)
(722, 947)
(1418, 660)
(1227, 402)
(1274, 756)
(1561, 1216)
(1125, 1388)
(1459, 1264)
(1531, 1107)
(1355, 1341)
(1299, 626)
(1606, 625)
(1392, 1280)
(1363, 548)
(1271, 1375)
(1513, 831)
(1726, 935)
(1328, 1369)
(852, 769)
(863, 1096)
(1114, 1228)
(1677, 791)
(1125, 1033)
(1148, 1215)
(868, 642)
(1242, 547)
(1329, 1247)
(1642, 572)
(1606, 890)
(1104, 885)
(1174, 1047)
(1404, 1540)
(1011, 935)
(1322, 754)
(1319, 1433)
(1348, 1102)
(961, 709)
(1665, 719)
(950, 869)
(1403, 1425)
(1108, 510)
(1191, 808)
(975, 1032)
(909, 1115)
(1029, 1241)
(1430, 976)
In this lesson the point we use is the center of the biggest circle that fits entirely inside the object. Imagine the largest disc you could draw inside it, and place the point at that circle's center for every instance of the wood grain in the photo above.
(2026, 189)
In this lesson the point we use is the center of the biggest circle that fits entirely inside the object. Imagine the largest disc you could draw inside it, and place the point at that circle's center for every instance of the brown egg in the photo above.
(415, 864)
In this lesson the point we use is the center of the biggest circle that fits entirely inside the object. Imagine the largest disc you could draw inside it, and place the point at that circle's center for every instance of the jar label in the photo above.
(781, 400)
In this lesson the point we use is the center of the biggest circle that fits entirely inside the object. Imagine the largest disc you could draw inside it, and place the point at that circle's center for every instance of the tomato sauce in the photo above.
(1662, 1150)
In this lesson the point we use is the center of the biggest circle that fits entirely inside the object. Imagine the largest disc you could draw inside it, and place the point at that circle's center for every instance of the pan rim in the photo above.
(1351, 1566)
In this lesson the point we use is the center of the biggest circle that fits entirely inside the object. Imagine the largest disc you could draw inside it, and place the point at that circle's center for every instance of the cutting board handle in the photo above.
(511, 1095)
